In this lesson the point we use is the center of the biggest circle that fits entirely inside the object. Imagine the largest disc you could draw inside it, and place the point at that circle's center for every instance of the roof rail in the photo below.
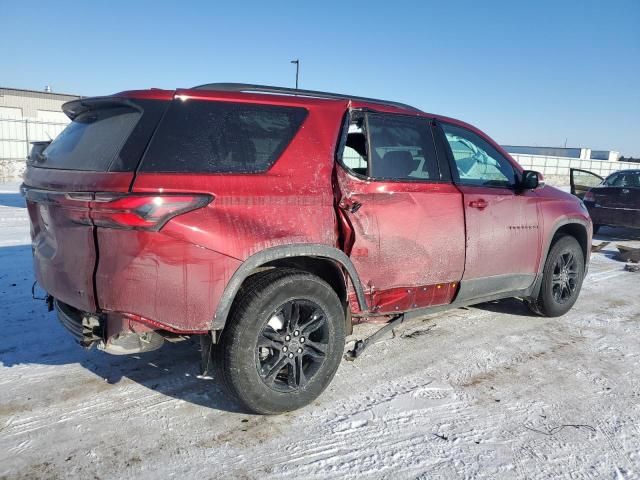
(250, 88)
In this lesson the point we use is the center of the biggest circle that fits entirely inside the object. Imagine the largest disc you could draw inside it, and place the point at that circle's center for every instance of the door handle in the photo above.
(479, 204)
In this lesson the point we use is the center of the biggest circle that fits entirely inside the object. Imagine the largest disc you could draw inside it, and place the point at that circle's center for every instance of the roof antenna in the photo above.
(297, 62)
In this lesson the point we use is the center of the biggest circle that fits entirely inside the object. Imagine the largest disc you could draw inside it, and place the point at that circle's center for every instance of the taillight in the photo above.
(589, 197)
(140, 212)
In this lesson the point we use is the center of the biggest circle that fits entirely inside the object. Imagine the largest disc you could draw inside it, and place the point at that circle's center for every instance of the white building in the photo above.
(27, 116)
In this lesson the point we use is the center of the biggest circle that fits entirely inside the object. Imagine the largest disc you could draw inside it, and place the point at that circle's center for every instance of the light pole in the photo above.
(297, 62)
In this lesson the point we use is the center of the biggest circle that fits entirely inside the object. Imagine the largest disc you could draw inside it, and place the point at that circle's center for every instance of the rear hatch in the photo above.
(91, 163)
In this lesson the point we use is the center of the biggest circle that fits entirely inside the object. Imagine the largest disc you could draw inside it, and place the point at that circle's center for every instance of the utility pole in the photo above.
(297, 62)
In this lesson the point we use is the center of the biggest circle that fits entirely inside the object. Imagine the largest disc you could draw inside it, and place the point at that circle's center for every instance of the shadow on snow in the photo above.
(31, 335)
(12, 200)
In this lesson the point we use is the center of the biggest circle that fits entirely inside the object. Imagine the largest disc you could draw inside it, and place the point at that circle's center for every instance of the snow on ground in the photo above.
(484, 392)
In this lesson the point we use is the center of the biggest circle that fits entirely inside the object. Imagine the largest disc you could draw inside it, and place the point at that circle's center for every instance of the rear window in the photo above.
(221, 137)
(109, 137)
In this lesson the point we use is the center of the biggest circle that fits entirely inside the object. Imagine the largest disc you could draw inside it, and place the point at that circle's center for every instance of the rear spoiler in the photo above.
(76, 107)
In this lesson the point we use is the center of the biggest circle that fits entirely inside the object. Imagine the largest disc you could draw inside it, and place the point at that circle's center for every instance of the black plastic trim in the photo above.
(535, 289)
(472, 289)
(421, 312)
(263, 257)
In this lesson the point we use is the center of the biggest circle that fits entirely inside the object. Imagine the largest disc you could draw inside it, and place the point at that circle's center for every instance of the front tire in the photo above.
(284, 341)
(561, 280)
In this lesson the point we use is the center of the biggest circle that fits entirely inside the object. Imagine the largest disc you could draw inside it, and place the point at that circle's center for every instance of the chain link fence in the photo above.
(556, 169)
(16, 134)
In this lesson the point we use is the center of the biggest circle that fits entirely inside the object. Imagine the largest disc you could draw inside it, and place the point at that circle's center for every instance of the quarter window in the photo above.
(221, 137)
(477, 161)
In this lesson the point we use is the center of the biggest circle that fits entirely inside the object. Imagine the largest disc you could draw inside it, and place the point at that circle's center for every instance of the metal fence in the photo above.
(559, 166)
(556, 168)
(15, 137)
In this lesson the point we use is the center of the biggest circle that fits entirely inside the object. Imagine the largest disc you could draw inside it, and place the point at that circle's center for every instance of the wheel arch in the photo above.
(324, 261)
(575, 227)
(576, 230)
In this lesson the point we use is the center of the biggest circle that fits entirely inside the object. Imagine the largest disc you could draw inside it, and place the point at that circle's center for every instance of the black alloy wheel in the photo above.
(565, 277)
(292, 345)
(562, 278)
(283, 342)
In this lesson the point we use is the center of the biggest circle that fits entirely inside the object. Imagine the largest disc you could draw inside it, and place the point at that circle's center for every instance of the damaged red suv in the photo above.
(268, 221)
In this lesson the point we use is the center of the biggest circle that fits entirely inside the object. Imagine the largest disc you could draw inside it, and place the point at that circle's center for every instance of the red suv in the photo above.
(268, 220)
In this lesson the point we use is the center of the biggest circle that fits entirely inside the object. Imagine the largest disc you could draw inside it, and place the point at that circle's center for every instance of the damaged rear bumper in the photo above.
(84, 328)
(113, 333)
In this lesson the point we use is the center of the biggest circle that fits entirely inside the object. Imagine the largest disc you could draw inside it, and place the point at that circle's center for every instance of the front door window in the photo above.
(477, 161)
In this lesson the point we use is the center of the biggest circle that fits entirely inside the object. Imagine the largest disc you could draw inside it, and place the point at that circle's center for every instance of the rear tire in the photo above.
(561, 279)
(283, 342)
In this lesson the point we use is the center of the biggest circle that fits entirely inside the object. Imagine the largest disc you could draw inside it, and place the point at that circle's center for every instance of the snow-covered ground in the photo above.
(484, 392)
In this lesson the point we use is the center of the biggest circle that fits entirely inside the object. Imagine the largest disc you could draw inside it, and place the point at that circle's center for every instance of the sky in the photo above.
(536, 73)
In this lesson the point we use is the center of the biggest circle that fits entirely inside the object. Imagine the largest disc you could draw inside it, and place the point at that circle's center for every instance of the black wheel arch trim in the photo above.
(267, 255)
(547, 247)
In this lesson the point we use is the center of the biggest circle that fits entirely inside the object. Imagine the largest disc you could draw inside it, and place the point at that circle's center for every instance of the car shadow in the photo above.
(12, 200)
(32, 335)
(512, 306)
(617, 234)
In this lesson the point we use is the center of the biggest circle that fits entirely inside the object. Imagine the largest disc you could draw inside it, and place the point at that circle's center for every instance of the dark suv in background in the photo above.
(613, 201)
(268, 221)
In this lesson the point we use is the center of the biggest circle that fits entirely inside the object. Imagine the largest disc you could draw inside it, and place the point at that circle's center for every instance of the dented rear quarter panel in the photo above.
(176, 276)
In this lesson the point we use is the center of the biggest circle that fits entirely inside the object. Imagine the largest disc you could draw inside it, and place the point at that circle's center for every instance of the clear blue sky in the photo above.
(528, 73)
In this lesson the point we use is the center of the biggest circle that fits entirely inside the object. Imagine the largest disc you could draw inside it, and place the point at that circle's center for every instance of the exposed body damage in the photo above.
(374, 206)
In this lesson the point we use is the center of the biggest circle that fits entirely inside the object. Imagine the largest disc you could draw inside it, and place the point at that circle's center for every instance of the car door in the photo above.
(502, 226)
(582, 181)
(402, 217)
(619, 190)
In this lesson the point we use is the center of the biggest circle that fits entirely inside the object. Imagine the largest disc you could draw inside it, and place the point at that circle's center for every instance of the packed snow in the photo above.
(484, 392)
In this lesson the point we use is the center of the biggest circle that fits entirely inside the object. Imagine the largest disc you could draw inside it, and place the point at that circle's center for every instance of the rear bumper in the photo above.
(86, 329)
(116, 334)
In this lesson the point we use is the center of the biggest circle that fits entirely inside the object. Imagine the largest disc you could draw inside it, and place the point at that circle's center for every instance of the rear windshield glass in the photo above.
(110, 137)
(92, 141)
(221, 137)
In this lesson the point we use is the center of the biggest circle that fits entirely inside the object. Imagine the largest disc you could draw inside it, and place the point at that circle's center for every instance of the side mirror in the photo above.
(531, 180)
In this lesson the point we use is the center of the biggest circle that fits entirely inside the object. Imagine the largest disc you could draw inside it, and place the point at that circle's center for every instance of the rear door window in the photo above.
(402, 148)
(221, 137)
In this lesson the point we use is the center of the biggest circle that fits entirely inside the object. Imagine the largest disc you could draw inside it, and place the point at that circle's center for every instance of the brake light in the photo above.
(140, 212)
(589, 197)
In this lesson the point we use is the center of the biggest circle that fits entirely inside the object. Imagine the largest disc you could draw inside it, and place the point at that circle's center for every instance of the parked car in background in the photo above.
(613, 201)
(268, 220)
